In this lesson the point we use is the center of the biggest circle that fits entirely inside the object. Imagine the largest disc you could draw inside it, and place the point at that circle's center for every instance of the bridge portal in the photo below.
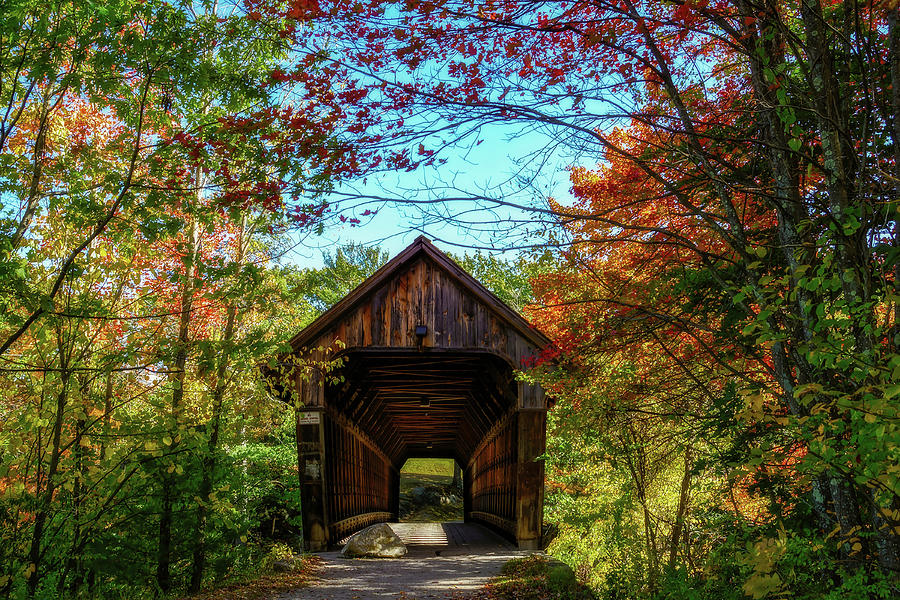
(427, 362)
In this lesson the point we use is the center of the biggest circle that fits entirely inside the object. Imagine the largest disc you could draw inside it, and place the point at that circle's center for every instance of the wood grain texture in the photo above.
(422, 286)
(451, 393)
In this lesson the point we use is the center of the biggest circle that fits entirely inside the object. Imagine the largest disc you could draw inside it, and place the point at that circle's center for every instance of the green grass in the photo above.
(536, 577)
(429, 512)
(429, 466)
(428, 473)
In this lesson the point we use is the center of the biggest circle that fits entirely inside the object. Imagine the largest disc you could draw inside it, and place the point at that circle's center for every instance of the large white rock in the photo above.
(375, 541)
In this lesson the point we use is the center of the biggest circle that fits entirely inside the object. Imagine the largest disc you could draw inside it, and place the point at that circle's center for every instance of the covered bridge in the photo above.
(427, 369)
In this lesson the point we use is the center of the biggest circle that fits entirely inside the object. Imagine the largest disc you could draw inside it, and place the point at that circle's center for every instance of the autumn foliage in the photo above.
(724, 308)
(729, 293)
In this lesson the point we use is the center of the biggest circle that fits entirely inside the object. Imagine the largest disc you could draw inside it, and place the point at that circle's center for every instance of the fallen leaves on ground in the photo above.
(534, 578)
(266, 586)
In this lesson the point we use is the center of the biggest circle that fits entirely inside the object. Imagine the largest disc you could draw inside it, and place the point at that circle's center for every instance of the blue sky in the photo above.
(495, 168)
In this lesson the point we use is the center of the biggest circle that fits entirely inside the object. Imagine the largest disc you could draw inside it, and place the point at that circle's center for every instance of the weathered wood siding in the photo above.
(423, 294)
(449, 393)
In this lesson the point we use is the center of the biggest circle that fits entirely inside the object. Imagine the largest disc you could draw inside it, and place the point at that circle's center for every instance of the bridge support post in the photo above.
(310, 423)
(530, 479)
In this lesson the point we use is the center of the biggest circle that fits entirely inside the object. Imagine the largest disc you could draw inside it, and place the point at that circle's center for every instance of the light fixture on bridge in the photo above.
(424, 402)
(421, 332)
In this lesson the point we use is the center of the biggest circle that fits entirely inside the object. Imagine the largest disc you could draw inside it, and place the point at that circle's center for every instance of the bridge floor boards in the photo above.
(450, 538)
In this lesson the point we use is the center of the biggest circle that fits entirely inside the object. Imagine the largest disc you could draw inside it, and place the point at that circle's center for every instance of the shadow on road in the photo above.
(445, 560)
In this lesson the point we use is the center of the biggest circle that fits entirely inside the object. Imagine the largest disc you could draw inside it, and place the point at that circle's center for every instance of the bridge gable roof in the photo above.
(381, 281)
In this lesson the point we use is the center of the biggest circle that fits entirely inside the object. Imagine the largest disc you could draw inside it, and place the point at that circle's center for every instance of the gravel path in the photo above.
(445, 560)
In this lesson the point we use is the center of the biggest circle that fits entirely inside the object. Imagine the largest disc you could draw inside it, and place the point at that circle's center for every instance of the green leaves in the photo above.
(111, 149)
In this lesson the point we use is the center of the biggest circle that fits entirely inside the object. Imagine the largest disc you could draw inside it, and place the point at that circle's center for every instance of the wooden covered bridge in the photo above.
(428, 358)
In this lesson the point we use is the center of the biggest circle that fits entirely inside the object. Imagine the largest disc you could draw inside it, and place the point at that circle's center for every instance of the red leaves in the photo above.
(279, 76)
(425, 8)
(352, 96)
(556, 76)
(352, 221)
(409, 54)
(304, 10)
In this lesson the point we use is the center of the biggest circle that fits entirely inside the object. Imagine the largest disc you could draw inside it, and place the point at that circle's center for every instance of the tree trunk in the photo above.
(163, 576)
(73, 569)
(209, 462)
(40, 517)
(636, 461)
(107, 414)
(683, 500)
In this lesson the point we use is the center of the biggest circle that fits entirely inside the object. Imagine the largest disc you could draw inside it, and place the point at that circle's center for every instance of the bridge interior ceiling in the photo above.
(421, 404)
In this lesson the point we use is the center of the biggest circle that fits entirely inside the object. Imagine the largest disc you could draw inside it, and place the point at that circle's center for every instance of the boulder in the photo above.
(288, 565)
(433, 494)
(376, 541)
(418, 494)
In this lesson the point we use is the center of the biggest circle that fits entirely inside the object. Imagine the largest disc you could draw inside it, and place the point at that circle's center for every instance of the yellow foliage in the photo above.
(761, 585)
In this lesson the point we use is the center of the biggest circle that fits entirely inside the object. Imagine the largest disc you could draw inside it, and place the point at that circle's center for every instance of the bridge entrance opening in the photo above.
(431, 491)
(429, 366)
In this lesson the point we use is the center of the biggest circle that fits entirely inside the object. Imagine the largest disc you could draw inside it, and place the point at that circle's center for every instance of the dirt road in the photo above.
(445, 560)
